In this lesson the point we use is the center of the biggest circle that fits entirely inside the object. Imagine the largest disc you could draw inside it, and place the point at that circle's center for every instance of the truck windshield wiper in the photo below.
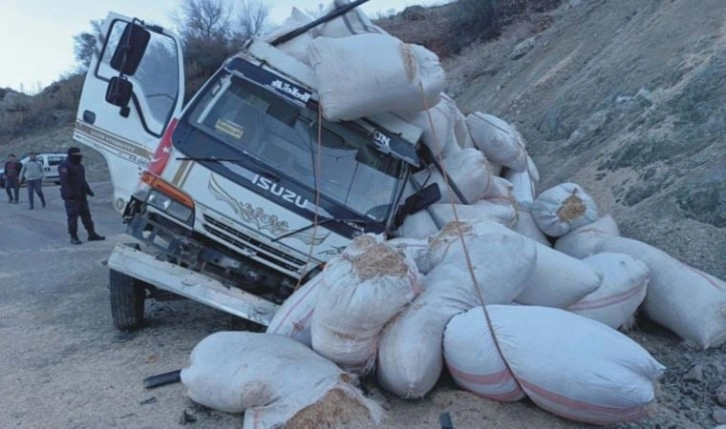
(269, 174)
(321, 221)
(208, 159)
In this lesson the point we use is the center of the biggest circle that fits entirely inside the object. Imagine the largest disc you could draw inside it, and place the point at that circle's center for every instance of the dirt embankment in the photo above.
(629, 100)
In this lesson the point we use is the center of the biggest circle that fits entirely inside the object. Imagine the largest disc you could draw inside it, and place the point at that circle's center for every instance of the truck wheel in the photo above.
(127, 301)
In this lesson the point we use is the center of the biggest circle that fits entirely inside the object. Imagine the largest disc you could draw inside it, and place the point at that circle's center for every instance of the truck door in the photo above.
(146, 61)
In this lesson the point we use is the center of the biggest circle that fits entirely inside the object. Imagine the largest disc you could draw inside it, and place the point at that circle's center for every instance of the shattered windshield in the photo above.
(342, 164)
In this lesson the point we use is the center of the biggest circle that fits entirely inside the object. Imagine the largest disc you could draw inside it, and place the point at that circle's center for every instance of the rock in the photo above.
(695, 374)
(653, 181)
(522, 48)
(719, 414)
(704, 198)
(187, 418)
(720, 427)
(590, 127)
(721, 395)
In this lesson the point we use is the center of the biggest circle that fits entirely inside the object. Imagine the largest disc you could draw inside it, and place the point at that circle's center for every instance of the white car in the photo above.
(50, 161)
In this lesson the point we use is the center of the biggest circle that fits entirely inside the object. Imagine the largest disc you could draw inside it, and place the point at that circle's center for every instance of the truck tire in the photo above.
(127, 301)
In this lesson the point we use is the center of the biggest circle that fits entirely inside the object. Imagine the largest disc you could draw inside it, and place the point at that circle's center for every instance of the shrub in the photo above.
(481, 20)
(475, 20)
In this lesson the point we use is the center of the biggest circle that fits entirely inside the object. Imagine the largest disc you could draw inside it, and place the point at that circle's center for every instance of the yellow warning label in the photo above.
(228, 127)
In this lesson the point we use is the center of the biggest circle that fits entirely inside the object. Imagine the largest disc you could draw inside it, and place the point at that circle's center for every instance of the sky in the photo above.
(36, 36)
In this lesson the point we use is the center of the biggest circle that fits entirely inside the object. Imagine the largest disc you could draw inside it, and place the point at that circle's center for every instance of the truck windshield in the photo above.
(332, 158)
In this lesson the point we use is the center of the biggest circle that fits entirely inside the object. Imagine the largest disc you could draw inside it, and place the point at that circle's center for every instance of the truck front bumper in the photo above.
(190, 284)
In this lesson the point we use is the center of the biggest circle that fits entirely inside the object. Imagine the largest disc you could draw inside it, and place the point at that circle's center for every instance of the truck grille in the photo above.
(260, 250)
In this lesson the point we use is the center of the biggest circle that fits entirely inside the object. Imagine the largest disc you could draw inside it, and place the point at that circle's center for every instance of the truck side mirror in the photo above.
(130, 49)
(119, 92)
(417, 202)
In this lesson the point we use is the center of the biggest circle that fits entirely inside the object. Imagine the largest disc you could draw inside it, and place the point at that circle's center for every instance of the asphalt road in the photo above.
(62, 363)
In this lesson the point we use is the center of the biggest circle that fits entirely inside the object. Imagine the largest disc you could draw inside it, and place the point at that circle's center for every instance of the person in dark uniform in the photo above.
(74, 190)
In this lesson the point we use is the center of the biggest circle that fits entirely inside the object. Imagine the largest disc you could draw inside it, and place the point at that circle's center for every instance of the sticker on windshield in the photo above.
(228, 127)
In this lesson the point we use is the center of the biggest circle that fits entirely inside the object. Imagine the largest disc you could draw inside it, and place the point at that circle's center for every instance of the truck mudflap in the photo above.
(190, 284)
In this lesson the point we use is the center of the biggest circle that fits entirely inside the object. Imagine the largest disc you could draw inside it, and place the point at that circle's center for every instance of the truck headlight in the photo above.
(159, 200)
(166, 198)
(179, 211)
(169, 206)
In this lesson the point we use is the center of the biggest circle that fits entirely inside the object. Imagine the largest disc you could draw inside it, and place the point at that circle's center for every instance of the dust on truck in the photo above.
(242, 194)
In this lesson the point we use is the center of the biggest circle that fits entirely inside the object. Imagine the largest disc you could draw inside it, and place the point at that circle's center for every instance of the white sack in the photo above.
(271, 378)
(422, 225)
(410, 357)
(501, 188)
(685, 300)
(502, 206)
(359, 295)
(368, 74)
(532, 169)
(500, 141)
(581, 242)
(526, 226)
(558, 280)
(501, 211)
(297, 47)
(295, 315)
(417, 249)
(622, 290)
(563, 208)
(523, 187)
(461, 129)
(442, 128)
(449, 237)
(569, 365)
(349, 24)
(467, 169)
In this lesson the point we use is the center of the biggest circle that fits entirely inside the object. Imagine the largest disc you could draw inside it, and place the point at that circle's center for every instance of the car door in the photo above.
(127, 136)
(50, 168)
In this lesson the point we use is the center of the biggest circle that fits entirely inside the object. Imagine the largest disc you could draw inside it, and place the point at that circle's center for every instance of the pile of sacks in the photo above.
(517, 294)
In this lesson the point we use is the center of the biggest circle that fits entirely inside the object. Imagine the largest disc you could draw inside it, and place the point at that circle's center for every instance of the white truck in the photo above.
(239, 196)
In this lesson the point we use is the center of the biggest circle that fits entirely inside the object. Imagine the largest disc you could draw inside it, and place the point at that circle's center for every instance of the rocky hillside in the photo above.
(629, 100)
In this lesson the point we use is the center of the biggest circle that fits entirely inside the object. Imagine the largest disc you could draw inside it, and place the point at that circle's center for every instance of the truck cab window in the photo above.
(156, 79)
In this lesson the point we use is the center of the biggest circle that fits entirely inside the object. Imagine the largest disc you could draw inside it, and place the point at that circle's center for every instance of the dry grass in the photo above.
(451, 231)
(337, 409)
(380, 260)
(572, 208)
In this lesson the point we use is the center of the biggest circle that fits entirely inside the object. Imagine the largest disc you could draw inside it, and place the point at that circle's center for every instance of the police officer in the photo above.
(74, 190)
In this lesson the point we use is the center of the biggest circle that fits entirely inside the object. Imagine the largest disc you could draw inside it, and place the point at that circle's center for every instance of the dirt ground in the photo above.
(63, 365)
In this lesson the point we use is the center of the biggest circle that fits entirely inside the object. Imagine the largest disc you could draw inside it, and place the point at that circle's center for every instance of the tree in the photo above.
(252, 19)
(210, 34)
(205, 20)
(84, 44)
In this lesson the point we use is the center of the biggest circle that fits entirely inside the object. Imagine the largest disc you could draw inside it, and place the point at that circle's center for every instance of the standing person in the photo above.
(12, 178)
(74, 190)
(33, 173)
